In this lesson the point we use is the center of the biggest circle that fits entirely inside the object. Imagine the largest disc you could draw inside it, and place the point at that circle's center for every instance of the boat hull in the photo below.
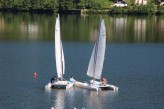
(108, 87)
(85, 86)
(96, 87)
(59, 85)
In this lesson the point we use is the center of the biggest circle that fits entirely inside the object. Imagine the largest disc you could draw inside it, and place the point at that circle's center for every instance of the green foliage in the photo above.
(26, 5)
(97, 4)
(143, 9)
(36, 4)
(130, 2)
(118, 10)
(81, 4)
(7, 3)
(160, 10)
(44, 4)
(17, 4)
(94, 6)
(66, 4)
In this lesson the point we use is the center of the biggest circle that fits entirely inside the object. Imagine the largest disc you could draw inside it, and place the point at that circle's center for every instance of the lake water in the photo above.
(134, 64)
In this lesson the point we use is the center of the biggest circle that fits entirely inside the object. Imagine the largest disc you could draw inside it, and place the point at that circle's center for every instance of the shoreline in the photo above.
(109, 11)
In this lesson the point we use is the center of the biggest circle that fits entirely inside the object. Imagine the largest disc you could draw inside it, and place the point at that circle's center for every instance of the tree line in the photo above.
(28, 5)
(94, 6)
(52, 5)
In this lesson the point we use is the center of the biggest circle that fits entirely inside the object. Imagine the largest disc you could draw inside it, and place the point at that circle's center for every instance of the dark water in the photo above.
(137, 69)
(134, 61)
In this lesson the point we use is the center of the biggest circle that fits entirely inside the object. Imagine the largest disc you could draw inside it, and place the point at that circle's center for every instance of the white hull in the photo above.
(108, 87)
(59, 85)
(96, 87)
(85, 86)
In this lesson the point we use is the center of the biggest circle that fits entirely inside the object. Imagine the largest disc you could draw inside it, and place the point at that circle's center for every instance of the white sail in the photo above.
(97, 58)
(63, 60)
(59, 54)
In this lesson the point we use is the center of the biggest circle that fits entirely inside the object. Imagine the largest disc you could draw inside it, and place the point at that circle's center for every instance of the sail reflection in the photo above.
(31, 29)
(118, 29)
(59, 101)
(161, 30)
(94, 100)
(100, 100)
(64, 99)
(78, 98)
(1, 24)
(139, 30)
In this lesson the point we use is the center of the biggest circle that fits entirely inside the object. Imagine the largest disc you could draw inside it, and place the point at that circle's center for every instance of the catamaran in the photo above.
(59, 82)
(96, 64)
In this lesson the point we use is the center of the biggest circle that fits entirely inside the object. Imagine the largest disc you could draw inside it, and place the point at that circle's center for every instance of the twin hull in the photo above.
(95, 87)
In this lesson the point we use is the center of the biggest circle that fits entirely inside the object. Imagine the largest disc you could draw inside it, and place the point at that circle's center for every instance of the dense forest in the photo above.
(26, 5)
(94, 6)
(29, 5)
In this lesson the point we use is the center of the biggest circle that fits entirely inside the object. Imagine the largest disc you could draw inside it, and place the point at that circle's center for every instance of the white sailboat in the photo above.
(59, 82)
(96, 63)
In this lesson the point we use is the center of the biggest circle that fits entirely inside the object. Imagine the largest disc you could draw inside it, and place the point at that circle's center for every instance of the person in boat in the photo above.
(53, 79)
(72, 79)
(103, 81)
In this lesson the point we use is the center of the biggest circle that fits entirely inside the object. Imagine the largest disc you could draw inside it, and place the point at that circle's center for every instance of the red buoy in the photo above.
(34, 75)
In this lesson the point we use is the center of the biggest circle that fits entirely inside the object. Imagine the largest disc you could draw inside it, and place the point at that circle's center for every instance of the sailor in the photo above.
(103, 81)
(53, 79)
(72, 79)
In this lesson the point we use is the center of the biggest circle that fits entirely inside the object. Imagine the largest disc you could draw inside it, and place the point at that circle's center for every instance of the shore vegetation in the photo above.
(79, 6)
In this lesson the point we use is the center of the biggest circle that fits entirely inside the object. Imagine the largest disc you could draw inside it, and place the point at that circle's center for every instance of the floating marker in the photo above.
(34, 74)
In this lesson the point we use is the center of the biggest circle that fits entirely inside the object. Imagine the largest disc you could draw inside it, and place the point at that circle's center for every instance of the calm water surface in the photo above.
(134, 64)
(138, 73)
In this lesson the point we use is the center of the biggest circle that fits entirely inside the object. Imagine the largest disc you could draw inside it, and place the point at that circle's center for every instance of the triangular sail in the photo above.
(59, 54)
(97, 58)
